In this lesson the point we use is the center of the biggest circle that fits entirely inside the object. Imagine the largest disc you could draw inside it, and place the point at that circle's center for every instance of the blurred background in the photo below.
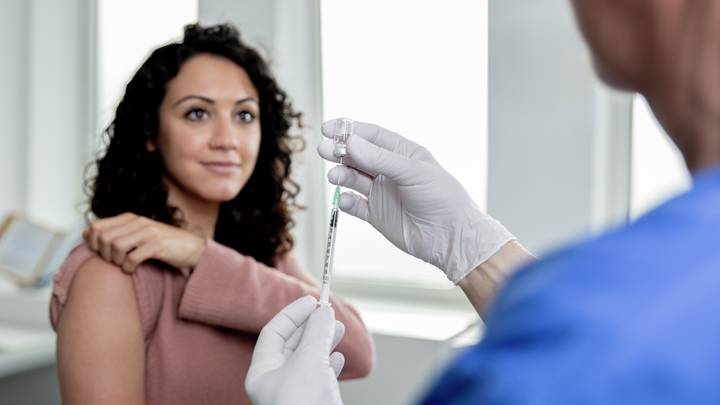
(501, 91)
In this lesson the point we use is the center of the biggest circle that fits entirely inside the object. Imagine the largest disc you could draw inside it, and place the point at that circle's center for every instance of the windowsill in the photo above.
(27, 341)
(25, 306)
(404, 296)
(418, 319)
(26, 360)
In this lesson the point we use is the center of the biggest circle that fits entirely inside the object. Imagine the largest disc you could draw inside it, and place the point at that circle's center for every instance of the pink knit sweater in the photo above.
(200, 328)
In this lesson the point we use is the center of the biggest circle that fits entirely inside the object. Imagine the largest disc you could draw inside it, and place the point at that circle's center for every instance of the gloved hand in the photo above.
(412, 200)
(291, 363)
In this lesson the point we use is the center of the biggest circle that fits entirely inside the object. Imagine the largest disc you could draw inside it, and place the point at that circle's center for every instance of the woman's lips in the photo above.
(222, 167)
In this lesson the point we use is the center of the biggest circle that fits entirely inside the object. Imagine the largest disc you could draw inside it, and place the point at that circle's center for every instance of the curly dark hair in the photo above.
(257, 221)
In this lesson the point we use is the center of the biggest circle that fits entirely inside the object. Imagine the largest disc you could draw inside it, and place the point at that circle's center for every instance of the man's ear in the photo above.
(150, 145)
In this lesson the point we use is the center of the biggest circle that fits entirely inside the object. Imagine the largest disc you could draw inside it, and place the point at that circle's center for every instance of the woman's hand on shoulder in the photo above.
(128, 239)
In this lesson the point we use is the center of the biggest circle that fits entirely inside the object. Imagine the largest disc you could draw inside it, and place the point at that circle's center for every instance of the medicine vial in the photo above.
(343, 129)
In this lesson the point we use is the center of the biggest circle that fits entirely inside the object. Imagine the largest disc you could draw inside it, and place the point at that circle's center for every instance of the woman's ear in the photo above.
(150, 145)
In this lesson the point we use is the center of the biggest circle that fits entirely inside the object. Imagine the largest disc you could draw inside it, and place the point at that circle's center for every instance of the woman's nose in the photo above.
(226, 135)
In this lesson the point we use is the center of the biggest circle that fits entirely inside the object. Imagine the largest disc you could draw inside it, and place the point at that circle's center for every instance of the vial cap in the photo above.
(340, 151)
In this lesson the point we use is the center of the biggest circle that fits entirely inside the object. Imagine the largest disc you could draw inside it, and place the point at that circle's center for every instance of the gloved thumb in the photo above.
(375, 160)
(337, 362)
(319, 331)
(278, 336)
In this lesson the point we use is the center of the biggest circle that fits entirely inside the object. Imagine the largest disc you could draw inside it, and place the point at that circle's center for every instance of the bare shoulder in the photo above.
(101, 296)
(102, 271)
(100, 342)
(98, 282)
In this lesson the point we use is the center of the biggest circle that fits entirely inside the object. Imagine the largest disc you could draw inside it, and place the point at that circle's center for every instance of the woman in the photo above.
(191, 256)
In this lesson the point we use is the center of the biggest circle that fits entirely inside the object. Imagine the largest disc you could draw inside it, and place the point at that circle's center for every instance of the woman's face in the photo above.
(209, 129)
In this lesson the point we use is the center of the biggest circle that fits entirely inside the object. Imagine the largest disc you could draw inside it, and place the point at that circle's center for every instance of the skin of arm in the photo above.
(100, 347)
(483, 283)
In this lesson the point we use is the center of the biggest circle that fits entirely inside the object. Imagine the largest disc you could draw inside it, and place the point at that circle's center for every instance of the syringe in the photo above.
(330, 249)
(343, 129)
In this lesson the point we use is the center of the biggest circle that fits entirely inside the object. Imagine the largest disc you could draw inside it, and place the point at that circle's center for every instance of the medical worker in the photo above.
(632, 317)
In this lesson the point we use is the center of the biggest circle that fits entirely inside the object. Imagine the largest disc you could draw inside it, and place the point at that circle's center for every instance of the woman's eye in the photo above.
(246, 117)
(196, 114)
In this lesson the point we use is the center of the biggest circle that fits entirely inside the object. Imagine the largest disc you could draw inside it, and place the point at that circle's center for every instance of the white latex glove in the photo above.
(291, 363)
(412, 200)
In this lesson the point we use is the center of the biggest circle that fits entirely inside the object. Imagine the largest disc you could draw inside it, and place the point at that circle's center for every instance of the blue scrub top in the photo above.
(632, 317)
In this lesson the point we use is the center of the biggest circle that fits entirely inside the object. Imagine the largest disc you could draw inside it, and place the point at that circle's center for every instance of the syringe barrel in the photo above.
(329, 256)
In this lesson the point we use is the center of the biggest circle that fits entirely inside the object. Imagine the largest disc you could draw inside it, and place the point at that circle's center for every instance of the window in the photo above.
(658, 169)
(127, 32)
(422, 74)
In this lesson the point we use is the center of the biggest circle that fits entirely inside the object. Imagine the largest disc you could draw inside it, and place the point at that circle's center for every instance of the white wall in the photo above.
(121, 52)
(659, 171)
(543, 123)
(46, 78)
(558, 139)
(13, 103)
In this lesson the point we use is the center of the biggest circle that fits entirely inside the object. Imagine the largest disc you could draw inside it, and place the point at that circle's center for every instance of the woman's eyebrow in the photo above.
(212, 101)
(247, 99)
(194, 96)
